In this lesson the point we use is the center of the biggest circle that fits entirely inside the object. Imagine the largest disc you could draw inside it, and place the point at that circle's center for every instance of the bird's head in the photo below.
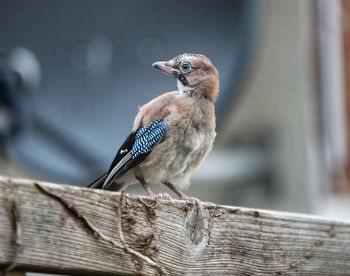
(195, 74)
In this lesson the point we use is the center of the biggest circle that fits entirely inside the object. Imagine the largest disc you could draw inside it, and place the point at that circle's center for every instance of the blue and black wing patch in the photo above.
(137, 146)
(147, 137)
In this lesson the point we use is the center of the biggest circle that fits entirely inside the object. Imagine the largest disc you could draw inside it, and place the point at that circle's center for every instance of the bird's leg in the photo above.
(182, 195)
(175, 190)
(145, 185)
(149, 191)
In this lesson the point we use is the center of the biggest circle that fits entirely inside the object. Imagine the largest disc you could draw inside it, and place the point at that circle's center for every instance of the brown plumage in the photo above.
(189, 118)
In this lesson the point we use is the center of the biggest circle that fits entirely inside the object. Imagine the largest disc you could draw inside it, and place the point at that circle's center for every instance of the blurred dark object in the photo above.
(10, 110)
(19, 75)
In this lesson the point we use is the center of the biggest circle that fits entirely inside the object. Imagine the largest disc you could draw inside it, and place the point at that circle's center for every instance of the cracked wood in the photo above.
(63, 229)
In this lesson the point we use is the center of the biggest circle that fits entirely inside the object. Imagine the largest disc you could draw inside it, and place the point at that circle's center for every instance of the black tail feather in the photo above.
(98, 183)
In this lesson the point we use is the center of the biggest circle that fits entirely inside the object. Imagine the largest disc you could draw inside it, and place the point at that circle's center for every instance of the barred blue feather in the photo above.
(147, 137)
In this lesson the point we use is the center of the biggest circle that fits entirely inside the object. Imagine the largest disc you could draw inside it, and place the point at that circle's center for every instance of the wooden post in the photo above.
(63, 229)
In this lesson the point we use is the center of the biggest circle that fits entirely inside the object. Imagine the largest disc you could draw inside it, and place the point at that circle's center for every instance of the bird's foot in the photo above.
(198, 203)
(191, 200)
(195, 201)
(163, 196)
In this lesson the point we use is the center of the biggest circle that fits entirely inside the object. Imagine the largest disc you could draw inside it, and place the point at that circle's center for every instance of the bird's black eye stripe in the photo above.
(183, 80)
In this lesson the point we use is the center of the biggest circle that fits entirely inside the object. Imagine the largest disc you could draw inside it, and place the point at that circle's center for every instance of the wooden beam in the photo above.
(47, 227)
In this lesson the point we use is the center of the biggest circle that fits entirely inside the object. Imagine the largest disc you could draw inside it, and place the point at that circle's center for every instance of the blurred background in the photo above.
(73, 73)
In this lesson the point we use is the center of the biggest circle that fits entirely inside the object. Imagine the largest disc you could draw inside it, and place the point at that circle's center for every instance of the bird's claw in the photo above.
(163, 196)
(195, 201)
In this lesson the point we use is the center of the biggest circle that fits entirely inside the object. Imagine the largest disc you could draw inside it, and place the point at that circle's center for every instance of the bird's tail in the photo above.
(99, 182)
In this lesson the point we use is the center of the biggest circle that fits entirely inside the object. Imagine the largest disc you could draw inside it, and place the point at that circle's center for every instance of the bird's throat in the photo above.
(183, 88)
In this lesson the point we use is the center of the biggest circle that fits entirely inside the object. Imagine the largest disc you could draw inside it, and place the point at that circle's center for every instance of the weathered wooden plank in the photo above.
(63, 229)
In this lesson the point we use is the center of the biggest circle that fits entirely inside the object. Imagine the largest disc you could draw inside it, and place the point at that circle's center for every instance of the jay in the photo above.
(172, 134)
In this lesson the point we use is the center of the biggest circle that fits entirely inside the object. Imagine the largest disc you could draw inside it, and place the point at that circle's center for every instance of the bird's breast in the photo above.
(193, 141)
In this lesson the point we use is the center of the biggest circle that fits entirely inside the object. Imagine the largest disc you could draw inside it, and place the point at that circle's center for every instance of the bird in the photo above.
(171, 134)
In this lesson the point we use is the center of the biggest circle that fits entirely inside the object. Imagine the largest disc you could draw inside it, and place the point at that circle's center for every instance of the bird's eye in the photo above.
(185, 67)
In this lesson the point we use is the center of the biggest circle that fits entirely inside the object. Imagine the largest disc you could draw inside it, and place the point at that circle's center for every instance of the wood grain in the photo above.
(63, 229)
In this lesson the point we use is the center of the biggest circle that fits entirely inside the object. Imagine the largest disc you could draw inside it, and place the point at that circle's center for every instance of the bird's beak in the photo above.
(165, 68)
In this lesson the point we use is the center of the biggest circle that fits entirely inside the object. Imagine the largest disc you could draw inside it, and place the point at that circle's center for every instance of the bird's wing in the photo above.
(123, 150)
(137, 146)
